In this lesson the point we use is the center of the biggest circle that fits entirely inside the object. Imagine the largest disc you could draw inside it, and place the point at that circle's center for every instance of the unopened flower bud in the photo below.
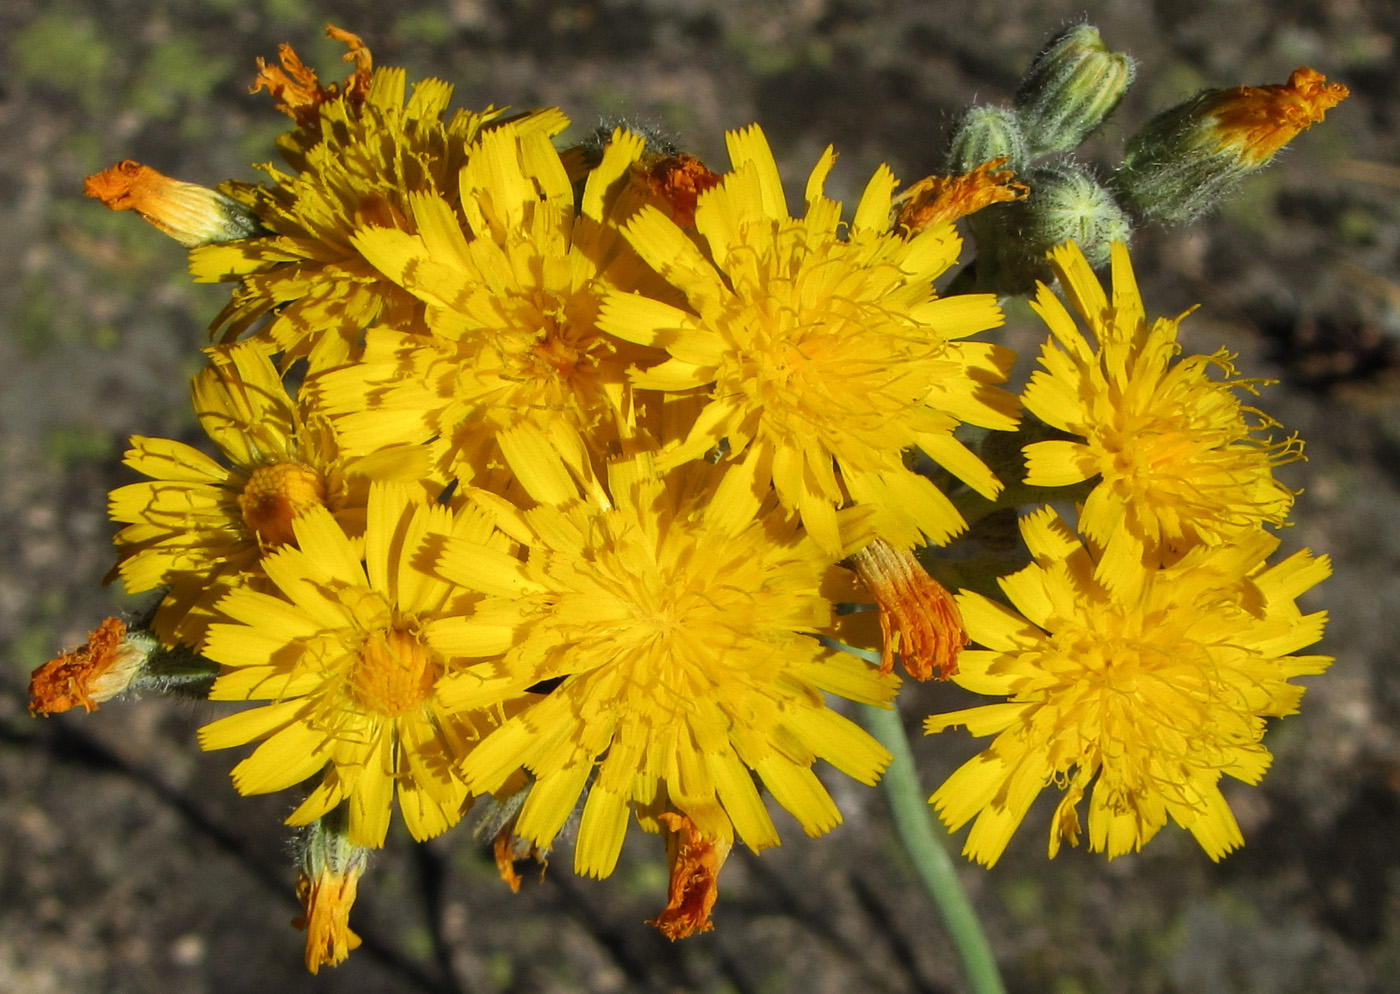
(987, 133)
(1067, 204)
(191, 214)
(1185, 159)
(1070, 88)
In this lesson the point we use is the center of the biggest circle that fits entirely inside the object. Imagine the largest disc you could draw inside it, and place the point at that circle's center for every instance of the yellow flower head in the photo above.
(347, 649)
(1150, 690)
(822, 356)
(1177, 453)
(678, 623)
(358, 157)
(199, 526)
(515, 362)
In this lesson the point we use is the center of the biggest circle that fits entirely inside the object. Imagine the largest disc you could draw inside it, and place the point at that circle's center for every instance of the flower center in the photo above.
(276, 494)
(1146, 452)
(558, 353)
(393, 673)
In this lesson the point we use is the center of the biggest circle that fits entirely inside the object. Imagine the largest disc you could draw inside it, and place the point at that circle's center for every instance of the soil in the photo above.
(128, 863)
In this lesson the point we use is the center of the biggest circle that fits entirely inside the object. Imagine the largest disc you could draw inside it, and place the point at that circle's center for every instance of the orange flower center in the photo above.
(276, 494)
(394, 673)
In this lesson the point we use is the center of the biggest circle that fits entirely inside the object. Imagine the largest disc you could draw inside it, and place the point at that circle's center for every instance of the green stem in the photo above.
(929, 854)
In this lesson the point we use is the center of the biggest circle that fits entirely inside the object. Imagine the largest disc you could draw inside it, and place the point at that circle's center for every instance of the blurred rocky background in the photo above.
(128, 864)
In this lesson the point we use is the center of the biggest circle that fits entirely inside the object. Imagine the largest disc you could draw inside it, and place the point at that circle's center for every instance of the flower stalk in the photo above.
(929, 854)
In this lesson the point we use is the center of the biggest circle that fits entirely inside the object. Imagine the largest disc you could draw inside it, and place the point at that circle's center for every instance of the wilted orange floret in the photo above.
(941, 199)
(325, 907)
(503, 848)
(88, 675)
(919, 619)
(187, 212)
(1257, 121)
(509, 849)
(297, 91)
(677, 180)
(695, 864)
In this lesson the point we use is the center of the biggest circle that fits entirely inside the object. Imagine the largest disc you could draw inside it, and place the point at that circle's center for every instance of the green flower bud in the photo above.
(986, 133)
(1185, 159)
(1070, 88)
(1067, 204)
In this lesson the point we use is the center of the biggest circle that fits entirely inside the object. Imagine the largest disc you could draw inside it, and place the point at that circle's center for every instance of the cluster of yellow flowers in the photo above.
(544, 474)
(1145, 644)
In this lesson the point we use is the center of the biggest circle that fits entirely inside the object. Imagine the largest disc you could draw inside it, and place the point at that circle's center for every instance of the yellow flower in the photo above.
(515, 362)
(678, 623)
(199, 526)
(1150, 689)
(346, 648)
(822, 358)
(359, 156)
(1177, 453)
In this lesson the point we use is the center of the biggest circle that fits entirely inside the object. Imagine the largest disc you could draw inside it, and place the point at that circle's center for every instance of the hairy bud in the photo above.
(1070, 88)
(1185, 159)
(985, 133)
